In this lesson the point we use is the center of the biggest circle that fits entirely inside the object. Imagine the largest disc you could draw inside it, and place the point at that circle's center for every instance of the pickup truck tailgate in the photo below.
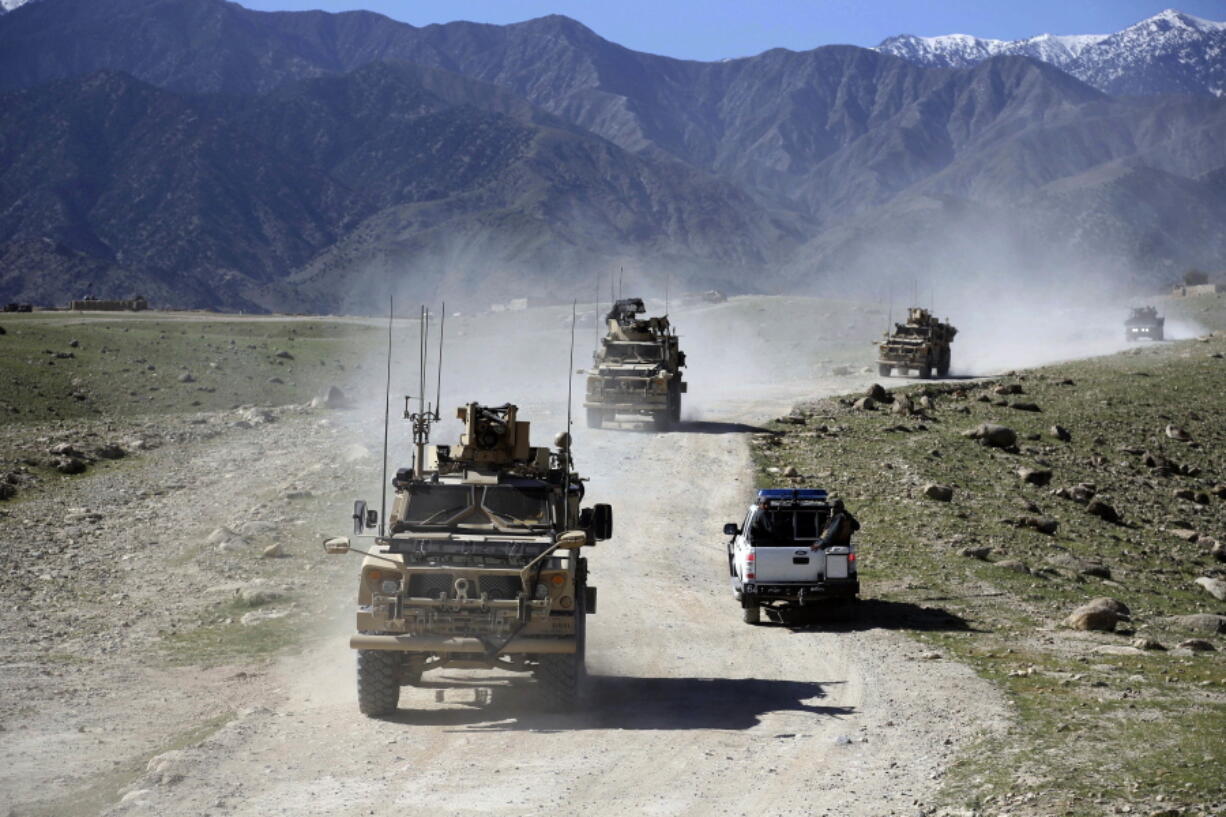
(788, 564)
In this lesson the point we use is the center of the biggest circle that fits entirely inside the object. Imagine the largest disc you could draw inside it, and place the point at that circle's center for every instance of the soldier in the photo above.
(839, 529)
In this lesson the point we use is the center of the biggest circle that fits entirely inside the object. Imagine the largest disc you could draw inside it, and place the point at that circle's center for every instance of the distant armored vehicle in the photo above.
(922, 343)
(636, 370)
(19, 307)
(478, 566)
(778, 559)
(1144, 322)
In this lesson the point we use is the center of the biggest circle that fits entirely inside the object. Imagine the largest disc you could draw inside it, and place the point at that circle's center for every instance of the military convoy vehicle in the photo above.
(478, 565)
(1144, 322)
(922, 344)
(637, 369)
(773, 560)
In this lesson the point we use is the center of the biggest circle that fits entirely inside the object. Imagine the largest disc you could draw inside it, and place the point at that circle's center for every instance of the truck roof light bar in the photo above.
(793, 494)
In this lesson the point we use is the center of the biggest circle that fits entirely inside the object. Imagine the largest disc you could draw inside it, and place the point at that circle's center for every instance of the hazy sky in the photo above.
(713, 29)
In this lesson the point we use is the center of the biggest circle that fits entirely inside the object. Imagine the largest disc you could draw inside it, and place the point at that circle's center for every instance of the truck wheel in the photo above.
(595, 418)
(378, 682)
(561, 676)
(926, 370)
(751, 614)
(943, 366)
(674, 407)
(662, 420)
(885, 369)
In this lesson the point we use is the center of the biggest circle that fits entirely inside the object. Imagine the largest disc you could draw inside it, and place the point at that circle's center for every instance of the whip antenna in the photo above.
(387, 392)
(570, 387)
(438, 389)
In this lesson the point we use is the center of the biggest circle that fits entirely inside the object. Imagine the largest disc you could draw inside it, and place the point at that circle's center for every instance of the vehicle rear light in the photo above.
(851, 557)
(749, 557)
(750, 576)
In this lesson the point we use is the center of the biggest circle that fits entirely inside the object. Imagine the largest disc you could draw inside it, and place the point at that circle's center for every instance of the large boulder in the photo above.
(1035, 476)
(1198, 623)
(878, 393)
(941, 493)
(1100, 614)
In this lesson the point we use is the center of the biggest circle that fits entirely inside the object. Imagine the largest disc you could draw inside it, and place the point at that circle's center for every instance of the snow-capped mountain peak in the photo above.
(9, 5)
(1170, 52)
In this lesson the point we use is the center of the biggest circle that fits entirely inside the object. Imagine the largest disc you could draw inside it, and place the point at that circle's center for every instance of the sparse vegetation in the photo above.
(1100, 724)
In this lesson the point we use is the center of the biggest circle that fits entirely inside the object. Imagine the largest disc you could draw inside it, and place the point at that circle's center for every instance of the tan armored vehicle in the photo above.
(922, 344)
(1144, 322)
(636, 370)
(479, 565)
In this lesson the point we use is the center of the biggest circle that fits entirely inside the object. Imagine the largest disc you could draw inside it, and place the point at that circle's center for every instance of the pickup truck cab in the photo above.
(774, 558)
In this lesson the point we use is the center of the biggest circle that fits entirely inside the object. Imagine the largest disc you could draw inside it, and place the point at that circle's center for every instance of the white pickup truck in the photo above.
(775, 560)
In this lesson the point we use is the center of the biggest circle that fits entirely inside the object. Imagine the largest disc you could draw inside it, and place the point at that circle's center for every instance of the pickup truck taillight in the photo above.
(749, 572)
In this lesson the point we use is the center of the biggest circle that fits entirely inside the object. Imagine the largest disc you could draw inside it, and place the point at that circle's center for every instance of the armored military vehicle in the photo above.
(1144, 322)
(478, 565)
(637, 369)
(922, 343)
(775, 558)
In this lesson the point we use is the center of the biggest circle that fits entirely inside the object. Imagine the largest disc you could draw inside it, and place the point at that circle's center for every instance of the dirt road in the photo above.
(689, 711)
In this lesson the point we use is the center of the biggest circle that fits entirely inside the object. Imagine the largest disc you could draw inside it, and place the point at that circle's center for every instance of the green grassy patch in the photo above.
(1093, 730)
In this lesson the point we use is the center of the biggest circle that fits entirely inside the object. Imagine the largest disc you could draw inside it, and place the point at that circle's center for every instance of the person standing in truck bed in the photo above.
(839, 529)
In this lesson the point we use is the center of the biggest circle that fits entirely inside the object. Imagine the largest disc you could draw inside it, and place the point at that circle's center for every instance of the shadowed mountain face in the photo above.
(311, 161)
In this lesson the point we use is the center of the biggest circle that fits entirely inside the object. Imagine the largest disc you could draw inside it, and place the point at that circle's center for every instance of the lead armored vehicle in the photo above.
(637, 369)
(479, 564)
(1144, 322)
(922, 344)
(774, 558)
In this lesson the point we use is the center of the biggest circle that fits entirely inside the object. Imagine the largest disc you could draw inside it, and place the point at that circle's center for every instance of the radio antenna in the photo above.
(666, 281)
(438, 388)
(426, 413)
(597, 307)
(570, 387)
(387, 396)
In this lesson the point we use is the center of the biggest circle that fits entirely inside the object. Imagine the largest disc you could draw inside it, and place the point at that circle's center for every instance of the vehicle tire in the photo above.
(674, 404)
(662, 420)
(925, 371)
(560, 677)
(378, 682)
(751, 614)
(943, 366)
(595, 418)
(884, 369)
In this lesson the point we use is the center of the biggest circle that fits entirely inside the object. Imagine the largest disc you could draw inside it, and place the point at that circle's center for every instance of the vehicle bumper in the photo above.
(644, 404)
(455, 644)
(803, 593)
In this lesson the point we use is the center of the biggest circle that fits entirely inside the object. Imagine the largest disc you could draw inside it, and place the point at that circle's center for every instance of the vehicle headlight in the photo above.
(390, 586)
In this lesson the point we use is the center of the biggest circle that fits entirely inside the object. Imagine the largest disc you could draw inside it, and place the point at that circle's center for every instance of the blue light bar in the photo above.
(793, 494)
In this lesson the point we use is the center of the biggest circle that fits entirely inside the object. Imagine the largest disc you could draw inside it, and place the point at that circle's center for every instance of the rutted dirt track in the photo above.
(690, 711)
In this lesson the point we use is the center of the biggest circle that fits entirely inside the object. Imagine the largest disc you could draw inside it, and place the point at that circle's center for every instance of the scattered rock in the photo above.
(333, 398)
(1199, 623)
(1098, 614)
(64, 450)
(1196, 645)
(110, 451)
(1020, 406)
(1035, 476)
(1186, 534)
(926, 403)
(1060, 433)
(260, 616)
(901, 407)
(1218, 551)
(1082, 492)
(941, 493)
(878, 393)
(1177, 433)
(1103, 511)
(1213, 586)
(273, 551)
(865, 404)
(255, 595)
(275, 380)
(187, 377)
(70, 465)
(980, 553)
(1008, 388)
(993, 435)
(1147, 644)
(284, 355)
(1079, 567)
(1014, 565)
(1219, 490)
(74, 344)
(791, 471)
(7, 491)
(1116, 649)
(1042, 524)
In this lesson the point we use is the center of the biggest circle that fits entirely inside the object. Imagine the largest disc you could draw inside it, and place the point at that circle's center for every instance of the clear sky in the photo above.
(713, 29)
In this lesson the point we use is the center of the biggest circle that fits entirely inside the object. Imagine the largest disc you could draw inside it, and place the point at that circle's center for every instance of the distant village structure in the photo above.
(1183, 290)
(92, 304)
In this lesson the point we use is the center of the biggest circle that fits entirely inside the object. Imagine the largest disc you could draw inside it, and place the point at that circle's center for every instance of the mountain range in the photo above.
(209, 155)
